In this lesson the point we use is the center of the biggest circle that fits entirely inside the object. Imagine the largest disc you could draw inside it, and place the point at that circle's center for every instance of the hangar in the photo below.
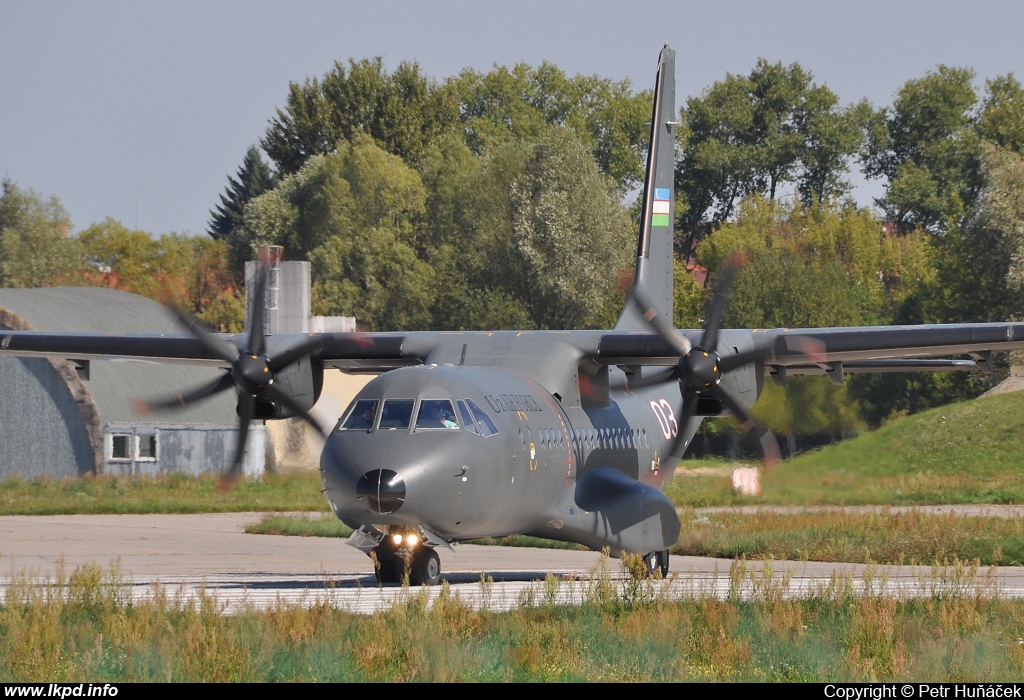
(69, 418)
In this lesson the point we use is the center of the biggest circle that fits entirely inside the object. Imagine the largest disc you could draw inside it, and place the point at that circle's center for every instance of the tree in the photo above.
(35, 248)
(521, 104)
(825, 264)
(547, 230)
(358, 216)
(884, 271)
(189, 273)
(254, 178)
(750, 134)
(1002, 115)
(402, 111)
(927, 148)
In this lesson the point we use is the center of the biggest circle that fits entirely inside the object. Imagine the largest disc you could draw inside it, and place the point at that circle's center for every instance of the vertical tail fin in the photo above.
(654, 250)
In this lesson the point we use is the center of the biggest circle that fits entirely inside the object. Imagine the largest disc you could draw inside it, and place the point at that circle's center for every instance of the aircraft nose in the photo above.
(383, 489)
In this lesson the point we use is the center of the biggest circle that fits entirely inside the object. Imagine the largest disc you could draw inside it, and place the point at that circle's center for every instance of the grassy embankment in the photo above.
(86, 628)
(966, 453)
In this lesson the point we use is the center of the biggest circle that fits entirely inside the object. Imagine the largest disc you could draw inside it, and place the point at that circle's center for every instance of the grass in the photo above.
(845, 536)
(173, 493)
(969, 452)
(326, 525)
(86, 627)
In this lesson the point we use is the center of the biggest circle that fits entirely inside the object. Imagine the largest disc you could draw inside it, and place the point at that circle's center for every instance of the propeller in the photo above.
(699, 369)
(251, 375)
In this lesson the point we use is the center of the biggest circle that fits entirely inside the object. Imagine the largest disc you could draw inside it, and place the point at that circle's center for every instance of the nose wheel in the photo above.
(423, 563)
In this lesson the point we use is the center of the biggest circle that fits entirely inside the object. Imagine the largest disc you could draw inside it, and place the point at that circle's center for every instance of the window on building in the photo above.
(120, 447)
(145, 447)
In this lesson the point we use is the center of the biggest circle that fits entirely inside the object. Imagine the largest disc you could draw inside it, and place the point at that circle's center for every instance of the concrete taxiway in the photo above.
(187, 554)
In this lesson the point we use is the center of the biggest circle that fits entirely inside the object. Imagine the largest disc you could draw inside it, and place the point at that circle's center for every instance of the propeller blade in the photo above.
(257, 342)
(246, 412)
(813, 348)
(217, 346)
(685, 414)
(710, 340)
(224, 383)
(672, 375)
(275, 394)
(731, 362)
(681, 344)
(287, 357)
(769, 446)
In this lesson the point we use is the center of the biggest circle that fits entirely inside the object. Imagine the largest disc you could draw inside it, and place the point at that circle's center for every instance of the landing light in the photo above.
(411, 540)
(397, 539)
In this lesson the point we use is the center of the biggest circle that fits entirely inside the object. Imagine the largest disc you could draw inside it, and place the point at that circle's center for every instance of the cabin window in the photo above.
(436, 414)
(487, 426)
(361, 416)
(396, 414)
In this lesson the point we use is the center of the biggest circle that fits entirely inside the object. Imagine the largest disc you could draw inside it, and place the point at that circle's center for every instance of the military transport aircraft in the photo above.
(568, 435)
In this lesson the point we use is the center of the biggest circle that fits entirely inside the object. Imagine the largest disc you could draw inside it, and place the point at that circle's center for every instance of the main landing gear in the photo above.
(657, 562)
(394, 560)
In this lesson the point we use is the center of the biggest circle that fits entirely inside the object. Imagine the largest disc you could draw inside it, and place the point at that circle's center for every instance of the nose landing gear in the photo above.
(394, 561)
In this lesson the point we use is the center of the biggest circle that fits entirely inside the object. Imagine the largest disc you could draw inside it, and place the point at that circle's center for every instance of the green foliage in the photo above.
(1002, 115)
(833, 240)
(691, 300)
(522, 104)
(928, 147)
(189, 273)
(748, 135)
(35, 250)
(820, 265)
(357, 215)
(402, 111)
(983, 279)
(546, 229)
(254, 178)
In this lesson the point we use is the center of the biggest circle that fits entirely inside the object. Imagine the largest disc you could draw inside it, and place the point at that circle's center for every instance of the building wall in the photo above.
(42, 432)
(197, 449)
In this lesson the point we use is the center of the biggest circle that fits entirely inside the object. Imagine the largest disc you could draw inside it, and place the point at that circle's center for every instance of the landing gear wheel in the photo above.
(390, 564)
(426, 567)
(657, 563)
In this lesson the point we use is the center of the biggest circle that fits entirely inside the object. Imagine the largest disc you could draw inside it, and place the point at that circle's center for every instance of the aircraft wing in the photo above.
(851, 350)
(370, 352)
(890, 348)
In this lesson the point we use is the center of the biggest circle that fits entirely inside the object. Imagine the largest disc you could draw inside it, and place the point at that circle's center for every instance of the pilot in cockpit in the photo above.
(448, 420)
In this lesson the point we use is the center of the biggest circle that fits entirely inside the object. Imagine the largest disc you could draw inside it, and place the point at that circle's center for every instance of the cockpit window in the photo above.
(487, 426)
(436, 414)
(467, 418)
(396, 414)
(362, 415)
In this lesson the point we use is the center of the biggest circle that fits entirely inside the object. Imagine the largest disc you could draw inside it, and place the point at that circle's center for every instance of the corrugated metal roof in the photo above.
(114, 385)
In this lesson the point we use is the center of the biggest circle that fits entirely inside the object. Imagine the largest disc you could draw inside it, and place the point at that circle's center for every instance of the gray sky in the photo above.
(140, 110)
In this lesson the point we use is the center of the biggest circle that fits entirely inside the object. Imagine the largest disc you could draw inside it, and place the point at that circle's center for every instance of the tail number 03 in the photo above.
(666, 418)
